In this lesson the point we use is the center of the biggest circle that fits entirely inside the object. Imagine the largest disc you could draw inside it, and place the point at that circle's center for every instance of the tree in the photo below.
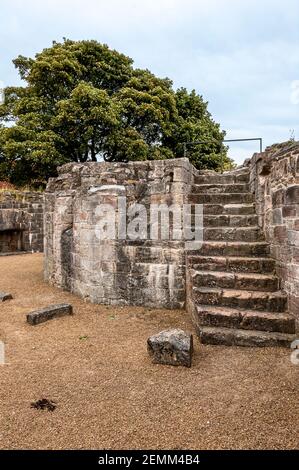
(83, 122)
(84, 102)
(147, 108)
(195, 124)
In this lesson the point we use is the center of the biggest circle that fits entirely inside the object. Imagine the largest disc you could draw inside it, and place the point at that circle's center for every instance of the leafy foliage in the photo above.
(85, 102)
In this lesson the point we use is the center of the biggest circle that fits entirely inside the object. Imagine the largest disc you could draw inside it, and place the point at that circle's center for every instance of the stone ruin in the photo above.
(133, 272)
(21, 221)
(241, 286)
(274, 180)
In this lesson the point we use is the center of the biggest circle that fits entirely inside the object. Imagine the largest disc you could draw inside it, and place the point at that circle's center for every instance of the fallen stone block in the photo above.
(4, 296)
(171, 347)
(47, 313)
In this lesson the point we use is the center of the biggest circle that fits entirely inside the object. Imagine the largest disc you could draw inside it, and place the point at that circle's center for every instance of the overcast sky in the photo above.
(241, 55)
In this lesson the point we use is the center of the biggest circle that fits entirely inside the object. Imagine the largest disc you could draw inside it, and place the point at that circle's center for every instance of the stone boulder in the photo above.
(171, 347)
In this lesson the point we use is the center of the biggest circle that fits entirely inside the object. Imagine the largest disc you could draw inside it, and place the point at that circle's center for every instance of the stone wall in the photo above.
(21, 221)
(275, 181)
(153, 273)
(119, 271)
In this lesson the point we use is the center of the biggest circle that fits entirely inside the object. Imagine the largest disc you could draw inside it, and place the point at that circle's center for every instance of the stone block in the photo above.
(278, 198)
(292, 195)
(289, 211)
(277, 216)
(47, 313)
(280, 233)
(293, 238)
(171, 347)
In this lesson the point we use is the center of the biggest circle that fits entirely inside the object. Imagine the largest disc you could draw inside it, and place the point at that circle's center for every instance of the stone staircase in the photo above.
(235, 293)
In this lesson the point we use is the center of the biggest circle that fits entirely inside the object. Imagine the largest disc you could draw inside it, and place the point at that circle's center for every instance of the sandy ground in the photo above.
(94, 365)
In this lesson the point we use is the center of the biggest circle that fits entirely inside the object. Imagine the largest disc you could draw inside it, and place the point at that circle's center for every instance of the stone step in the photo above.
(229, 209)
(217, 248)
(225, 178)
(242, 299)
(225, 317)
(230, 220)
(247, 338)
(221, 198)
(48, 313)
(237, 281)
(233, 234)
(232, 264)
(221, 188)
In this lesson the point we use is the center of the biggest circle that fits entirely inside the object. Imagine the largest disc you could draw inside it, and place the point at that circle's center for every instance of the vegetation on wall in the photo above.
(85, 102)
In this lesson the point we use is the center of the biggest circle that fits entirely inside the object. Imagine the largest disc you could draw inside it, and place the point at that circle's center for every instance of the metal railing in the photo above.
(201, 142)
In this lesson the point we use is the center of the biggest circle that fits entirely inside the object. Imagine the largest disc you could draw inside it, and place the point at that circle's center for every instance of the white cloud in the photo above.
(241, 55)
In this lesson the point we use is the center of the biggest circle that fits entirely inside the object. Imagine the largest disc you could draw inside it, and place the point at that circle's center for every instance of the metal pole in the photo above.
(222, 163)
(225, 140)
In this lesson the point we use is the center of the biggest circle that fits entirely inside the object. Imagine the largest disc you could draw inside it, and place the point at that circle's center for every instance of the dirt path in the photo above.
(109, 395)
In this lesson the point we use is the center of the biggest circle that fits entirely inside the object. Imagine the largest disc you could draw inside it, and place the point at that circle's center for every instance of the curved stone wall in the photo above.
(121, 270)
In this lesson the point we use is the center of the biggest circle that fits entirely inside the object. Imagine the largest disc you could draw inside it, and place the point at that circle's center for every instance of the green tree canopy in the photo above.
(85, 102)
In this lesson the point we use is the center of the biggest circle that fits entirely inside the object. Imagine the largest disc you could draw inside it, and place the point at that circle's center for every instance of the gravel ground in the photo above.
(94, 365)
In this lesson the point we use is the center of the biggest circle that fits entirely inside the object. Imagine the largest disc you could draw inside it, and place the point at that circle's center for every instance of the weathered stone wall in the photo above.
(21, 221)
(153, 273)
(275, 181)
(119, 271)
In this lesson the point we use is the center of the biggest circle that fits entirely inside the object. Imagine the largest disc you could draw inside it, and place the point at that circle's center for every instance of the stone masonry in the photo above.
(274, 178)
(234, 294)
(139, 272)
(240, 286)
(21, 221)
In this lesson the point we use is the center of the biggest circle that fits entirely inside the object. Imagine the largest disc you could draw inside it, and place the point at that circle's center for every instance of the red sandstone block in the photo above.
(278, 198)
(289, 211)
(280, 233)
(292, 195)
